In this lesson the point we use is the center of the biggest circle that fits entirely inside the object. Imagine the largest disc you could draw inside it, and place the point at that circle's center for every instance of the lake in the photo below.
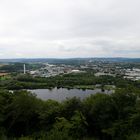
(63, 93)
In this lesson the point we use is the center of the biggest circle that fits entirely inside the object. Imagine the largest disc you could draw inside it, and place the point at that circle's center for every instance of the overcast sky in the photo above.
(69, 28)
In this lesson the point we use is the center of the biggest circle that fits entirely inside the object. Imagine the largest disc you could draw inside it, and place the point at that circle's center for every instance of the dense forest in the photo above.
(98, 117)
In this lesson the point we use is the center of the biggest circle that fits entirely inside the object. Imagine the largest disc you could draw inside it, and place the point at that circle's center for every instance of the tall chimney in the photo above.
(24, 67)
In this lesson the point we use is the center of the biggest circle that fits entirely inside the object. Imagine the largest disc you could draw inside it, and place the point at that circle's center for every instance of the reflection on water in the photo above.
(63, 93)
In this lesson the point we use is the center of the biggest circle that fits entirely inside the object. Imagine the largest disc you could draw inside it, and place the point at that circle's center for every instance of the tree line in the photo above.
(98, 117)
(65, 81)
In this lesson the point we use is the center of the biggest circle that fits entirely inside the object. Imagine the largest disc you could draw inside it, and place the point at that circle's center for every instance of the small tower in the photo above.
(24, 68)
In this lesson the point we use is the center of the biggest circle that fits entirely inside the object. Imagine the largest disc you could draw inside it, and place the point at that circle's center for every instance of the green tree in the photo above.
(21, 116)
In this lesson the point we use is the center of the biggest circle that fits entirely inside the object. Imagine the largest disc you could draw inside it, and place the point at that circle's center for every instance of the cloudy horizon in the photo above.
(69, 29)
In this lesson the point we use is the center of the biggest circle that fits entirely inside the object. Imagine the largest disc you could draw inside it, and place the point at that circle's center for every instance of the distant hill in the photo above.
(69, 60)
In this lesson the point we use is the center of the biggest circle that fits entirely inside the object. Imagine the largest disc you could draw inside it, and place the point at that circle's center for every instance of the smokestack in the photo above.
(24, 67)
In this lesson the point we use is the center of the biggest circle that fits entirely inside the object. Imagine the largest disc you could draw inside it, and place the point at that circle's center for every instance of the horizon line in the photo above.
(71, 58)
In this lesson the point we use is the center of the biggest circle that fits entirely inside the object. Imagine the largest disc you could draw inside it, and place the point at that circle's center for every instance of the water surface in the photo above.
(63, 93)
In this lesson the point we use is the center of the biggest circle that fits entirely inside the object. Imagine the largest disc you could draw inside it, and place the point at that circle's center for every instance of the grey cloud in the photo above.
(75, 28)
